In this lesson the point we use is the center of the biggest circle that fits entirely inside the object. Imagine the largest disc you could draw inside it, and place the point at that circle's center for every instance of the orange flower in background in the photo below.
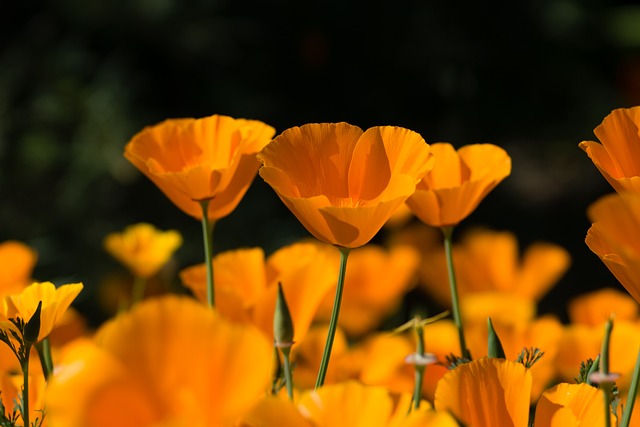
(375, 283)
(142, 248)
(488, 260)
(567, 405)
(55, 301)
(192, 160)
(17, 261)
(247, 283)
(458, 182)
(169, 361)
(486, 392)
(618, 157)
(614, 237)
(596, 307)
(341, 183)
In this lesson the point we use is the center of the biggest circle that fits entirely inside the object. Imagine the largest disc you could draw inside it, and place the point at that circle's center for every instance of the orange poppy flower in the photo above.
(345, 404)
(596, 307)
(458, 182)
(17, 260)
(192, 160)
(613, 237)
(567, 405)
(618, 157)
(486, 392)
(375, 283)
(341, 183)
(488, 260)
(55, 302)
(169, 361)
(143, 248)
(247, 283)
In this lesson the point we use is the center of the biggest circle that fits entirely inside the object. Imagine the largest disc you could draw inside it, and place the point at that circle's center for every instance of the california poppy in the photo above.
(617, 156)
(193, 160)
(168, 361)
(55, 301)
(17, 260)
(143, 248)
(568, 405)
(341, 183)
(613, 236)
(458, 182)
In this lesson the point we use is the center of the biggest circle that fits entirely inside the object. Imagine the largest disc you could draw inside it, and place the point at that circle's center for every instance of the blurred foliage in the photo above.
(78, 79)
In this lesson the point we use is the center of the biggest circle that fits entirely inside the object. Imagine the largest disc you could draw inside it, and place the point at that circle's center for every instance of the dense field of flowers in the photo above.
(295, 338)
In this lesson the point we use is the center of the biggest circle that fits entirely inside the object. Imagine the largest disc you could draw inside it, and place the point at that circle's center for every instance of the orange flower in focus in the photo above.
(375, 283)
(458, 182)
(143, 248)
(568, 405)
(613, 236)
(55, 302)
(169, 361)
(17, 261)
(486, 392)
(489, 260)
(341, 183)
(247, 284)
(618, 157)
(192, 160)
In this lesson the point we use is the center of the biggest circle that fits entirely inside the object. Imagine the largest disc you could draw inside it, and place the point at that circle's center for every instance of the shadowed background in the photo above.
(79, 79)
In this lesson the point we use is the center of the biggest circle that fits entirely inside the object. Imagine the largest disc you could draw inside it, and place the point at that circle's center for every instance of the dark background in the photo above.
(78, 79)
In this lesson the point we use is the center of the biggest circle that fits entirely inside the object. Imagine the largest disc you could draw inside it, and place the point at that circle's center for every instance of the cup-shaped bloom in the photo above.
(618, 156)
(613, 236)
(142, 248)
(341, 183)
(375, 283)
(458, 182)
(192, 160)
(17, 260)
(567, 405)
(488, 260)
(168, 361)
(486, 392)
(247, 283)
(55, 301)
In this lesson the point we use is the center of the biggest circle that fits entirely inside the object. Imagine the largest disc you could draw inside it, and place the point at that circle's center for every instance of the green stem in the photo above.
(137, 293)
(333, 323)
(44, 352)
(631, 397)
(207, 235)
(606, 386)
(25, 387)
(419, 368)
(453, 288)
(287, 371)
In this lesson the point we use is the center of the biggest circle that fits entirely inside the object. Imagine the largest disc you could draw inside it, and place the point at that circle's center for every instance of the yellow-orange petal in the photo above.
(486, 392)
(583, 401)
(55, 302)
(273, 411)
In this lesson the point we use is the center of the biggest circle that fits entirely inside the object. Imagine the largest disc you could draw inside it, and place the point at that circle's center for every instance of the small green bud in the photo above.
(282, 322)
(32, 327)
(494, 346)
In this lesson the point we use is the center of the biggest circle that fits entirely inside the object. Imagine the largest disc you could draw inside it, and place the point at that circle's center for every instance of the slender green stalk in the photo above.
(44, 352)
(25, 388)
(287, 371)
(137, 293)
(631, 397)
(606, 385)
(333, 323)
(207, 235)
(453, 288)
(419, 368)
